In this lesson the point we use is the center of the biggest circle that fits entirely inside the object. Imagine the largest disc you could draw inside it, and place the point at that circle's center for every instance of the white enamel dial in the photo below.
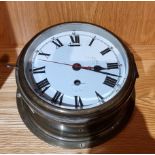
(77, 69)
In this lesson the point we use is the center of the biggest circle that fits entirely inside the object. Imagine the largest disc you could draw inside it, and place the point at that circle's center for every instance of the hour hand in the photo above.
(95, 68)
(99, 68)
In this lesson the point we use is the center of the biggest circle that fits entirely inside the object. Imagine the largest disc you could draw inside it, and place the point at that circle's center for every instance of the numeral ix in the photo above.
(39, 70)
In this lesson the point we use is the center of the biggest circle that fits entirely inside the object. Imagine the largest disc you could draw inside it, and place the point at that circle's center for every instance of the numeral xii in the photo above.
(75, 40)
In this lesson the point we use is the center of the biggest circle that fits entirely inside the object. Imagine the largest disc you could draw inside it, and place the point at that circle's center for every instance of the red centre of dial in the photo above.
(76, 66)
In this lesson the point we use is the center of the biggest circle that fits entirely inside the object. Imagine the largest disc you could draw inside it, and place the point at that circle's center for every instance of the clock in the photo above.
(75, 85)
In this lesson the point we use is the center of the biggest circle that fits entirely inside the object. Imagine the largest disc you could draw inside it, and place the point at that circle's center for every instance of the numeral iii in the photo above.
(112, 65)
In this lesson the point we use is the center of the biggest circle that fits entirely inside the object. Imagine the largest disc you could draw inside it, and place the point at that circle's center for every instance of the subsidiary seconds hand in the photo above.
(78, 66)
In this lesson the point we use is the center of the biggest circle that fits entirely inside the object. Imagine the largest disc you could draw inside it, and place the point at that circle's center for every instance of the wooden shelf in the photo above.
(137, 137)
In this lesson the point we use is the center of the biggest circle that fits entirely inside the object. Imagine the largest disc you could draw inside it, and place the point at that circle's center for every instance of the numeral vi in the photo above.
(78, 102)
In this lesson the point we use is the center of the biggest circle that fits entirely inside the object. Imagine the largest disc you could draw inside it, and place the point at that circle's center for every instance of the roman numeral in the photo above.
(58, 96)
(100, 98)
(78, 102)
(91, 42)
(75, 40)
(110, 81)
(44, 54)
(39, 70)
(57, 42)
(105, 51)
(43, 85)
(112, 65)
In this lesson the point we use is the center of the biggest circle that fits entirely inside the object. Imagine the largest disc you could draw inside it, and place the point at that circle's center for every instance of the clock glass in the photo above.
(76, 68)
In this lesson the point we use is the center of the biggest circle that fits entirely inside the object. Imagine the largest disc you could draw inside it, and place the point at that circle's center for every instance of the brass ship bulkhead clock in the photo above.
(75, 85)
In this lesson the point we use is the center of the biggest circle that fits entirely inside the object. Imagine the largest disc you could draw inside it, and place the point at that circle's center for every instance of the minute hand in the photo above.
(99, 69)
(106, 73)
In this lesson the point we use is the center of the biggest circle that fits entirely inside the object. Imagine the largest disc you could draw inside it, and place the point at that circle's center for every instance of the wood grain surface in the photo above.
(132, 21)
